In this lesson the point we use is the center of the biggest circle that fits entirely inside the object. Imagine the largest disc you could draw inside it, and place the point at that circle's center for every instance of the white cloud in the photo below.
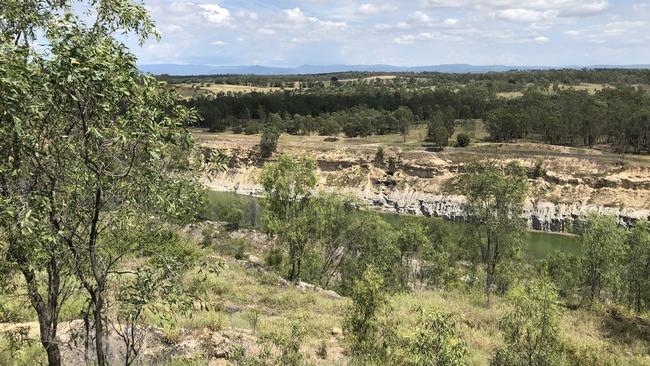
(573, 33)
(373, 9)
(171, 28)
(405, 39)
(295, 18)
(449, 22)
(383, 27)
(495, 31)
(251, 15)
(623, 27)
(419, 17)
(215, 13)
(425, 36)
(564, 8)
(525, 15)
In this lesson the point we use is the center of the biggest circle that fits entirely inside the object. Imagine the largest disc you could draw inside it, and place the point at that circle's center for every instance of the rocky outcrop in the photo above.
(540, 215)
(410, 182)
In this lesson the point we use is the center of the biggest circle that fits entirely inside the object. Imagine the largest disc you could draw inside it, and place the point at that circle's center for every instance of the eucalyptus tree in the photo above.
(494, 205)
(637, 266)
(91, 148)
(288, 184)
(602, 256)
(411, 240)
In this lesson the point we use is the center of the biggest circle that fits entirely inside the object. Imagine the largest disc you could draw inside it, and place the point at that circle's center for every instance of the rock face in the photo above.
(540, 215)
(410, 183)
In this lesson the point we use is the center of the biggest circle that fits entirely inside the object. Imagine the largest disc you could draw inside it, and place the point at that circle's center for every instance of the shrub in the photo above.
(237, 129)
(437, 343)
(538, 169)
(532, 328)
(252, 128)
(217, 127)
(368, 337)
(322, 350)
(233, 217)
(275, 258)
(269, 142)
(236, 248)
(379, 157)
(462, 140)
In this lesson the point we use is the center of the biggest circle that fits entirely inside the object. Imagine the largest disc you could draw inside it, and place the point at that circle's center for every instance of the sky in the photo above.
(290, 33)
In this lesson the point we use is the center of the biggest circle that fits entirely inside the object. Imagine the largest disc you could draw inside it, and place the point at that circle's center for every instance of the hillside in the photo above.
(244, 307)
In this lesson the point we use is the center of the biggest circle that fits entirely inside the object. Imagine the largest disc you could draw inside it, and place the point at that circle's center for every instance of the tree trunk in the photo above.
(46, 312)
(100, 336)
(48, 340)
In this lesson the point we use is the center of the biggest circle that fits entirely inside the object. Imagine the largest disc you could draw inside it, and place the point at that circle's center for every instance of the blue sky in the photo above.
(403, 33)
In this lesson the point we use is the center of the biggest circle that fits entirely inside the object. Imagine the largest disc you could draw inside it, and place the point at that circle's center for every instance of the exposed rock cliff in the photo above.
(569, 187)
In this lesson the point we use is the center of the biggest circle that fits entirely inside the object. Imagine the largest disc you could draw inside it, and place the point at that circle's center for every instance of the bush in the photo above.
(252, 128)
(462, 140)
(275, 258)
(218, 127)
(269, 142)
(368, 337)
(233, 218)
(280, 348)
(237, 129)
(538, 169)
(532, 328)
(437, 343)
(379, 157)
(230, 208)
(236, 248)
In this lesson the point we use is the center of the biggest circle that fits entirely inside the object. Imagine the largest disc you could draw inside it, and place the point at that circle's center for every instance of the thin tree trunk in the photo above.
(46, 312)
(100, 336)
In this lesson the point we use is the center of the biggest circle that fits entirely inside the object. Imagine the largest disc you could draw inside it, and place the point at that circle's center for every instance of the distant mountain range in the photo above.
(185, 70)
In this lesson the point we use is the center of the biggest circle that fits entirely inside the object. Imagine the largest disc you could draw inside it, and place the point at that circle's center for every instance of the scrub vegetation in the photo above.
(111, 252)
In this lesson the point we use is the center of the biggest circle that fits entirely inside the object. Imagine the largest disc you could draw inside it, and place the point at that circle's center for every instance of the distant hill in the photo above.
(185, 70)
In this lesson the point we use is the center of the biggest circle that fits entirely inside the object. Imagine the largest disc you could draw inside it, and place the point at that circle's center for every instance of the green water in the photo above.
(538, 244)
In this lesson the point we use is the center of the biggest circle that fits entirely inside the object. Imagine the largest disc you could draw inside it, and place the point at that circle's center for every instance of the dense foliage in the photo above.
(94, 162)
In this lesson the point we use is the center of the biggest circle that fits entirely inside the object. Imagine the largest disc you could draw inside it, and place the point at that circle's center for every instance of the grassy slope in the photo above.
(251, 302)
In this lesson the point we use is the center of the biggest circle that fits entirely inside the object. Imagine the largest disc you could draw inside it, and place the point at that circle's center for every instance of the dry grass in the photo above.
(589, 87)
(510, 95)
(196, 89)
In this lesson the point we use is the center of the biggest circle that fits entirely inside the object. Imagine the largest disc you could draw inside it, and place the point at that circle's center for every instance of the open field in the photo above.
(413, 142)
(192, 90)
(588, 87)
(370, 79)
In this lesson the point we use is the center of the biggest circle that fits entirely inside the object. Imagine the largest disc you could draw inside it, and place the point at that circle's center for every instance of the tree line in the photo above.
(619, 117)
(513, 80)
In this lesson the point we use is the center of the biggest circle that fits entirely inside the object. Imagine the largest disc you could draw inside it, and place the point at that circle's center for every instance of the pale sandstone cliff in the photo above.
(411, 182)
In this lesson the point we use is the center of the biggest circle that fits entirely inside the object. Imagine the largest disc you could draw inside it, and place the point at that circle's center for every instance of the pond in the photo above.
(538, 244)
